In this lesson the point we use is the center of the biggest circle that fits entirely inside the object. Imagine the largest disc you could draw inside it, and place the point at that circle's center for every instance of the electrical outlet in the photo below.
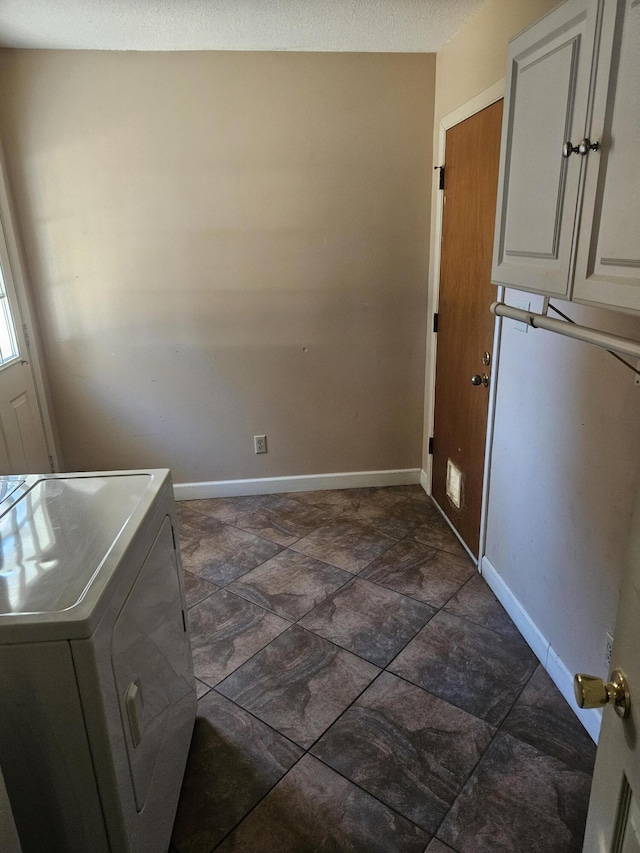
(260, 443)
(608, 645)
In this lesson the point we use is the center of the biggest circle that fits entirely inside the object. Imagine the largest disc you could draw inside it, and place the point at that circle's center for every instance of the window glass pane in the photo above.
(8, 345)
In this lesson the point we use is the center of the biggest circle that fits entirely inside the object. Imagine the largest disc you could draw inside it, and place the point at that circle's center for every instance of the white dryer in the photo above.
(97, 695)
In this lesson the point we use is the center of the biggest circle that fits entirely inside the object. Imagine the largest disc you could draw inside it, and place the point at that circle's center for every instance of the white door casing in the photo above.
(474, 105)
(27, 441)
(613, 822)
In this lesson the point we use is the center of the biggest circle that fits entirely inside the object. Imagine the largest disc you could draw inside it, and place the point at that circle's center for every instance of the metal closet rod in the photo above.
(615, 343)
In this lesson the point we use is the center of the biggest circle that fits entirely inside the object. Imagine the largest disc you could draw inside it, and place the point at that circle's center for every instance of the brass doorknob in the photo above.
(480, 380)
(593, 692)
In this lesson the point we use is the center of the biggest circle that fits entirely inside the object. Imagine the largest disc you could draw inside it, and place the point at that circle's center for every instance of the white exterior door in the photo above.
(613, 824)
(23, 445)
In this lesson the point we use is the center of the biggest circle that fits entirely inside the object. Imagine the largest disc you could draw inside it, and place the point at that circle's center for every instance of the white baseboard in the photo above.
(425, 482)
(563, 679)
(302, 483)
(550, 660)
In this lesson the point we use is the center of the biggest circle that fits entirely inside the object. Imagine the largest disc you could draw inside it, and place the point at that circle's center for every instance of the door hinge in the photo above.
(431, 446)
(435, 322)
(441, 180)
(25, 332)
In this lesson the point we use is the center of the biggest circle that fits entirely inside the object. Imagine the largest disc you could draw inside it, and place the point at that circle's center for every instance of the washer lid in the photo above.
(56, 538)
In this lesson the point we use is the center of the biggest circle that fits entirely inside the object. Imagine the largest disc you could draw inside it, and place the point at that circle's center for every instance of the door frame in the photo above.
(475, 105)
(26, 314)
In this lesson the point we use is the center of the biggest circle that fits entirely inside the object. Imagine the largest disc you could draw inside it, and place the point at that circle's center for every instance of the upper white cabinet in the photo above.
(569, 190)
(608, 252)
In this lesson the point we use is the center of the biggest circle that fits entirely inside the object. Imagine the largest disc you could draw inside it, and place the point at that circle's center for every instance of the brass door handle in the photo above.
(593, 692)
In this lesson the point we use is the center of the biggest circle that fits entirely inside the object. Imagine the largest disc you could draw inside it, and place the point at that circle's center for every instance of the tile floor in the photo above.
(361, 689)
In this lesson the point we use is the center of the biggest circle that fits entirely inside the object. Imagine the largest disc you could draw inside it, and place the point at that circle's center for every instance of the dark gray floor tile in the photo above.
(229, 510)
(338, 499)
(469, 666)
(407, 747)
(201, 688)
(233, 761)
(196, 588)
(346, 544)
(542, 717)
(438, 846)
(388, 511)
(519, 801)
(477, 603)
(314, 810)
(413, 492)
(437, 533)
(420, 571)
(290, 584)
(369, 620)
(347, 499)
(299, 684)
(218, 552)
(225, 631)
(274, 517)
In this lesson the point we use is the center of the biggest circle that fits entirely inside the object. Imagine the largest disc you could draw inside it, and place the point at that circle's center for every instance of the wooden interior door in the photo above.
(465, 325)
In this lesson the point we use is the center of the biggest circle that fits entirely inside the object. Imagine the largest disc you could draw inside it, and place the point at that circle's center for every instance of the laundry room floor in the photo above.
(361, 689)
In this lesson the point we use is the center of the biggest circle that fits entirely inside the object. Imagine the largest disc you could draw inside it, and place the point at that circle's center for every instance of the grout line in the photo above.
(488, 747)
(305, 750)
(261, 721)
(375, 797)
(441, 698)
(344, 711)
(257, 652)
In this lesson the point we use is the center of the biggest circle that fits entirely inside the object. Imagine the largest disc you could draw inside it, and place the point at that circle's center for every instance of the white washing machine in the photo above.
(97, 695)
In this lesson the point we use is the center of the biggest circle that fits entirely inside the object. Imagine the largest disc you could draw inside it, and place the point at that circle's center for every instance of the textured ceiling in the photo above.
(324, 25)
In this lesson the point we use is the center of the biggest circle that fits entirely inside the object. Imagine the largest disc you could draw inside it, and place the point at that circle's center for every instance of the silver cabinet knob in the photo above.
(480, 380)
(593, 692)
(587, 145)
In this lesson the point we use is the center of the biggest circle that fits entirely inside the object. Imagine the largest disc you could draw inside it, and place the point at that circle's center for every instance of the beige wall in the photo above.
(476, 57)
(223, 245)
(565, 461)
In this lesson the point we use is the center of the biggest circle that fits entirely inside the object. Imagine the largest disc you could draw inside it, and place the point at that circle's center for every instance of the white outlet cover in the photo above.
(454, 484)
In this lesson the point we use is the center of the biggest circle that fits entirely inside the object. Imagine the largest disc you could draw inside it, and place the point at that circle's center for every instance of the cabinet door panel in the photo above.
(547, 92)
(608, 258)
